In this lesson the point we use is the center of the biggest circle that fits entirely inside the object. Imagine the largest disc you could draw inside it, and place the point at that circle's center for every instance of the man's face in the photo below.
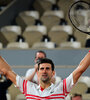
(77, 98)
(45, 72)
(39, 55)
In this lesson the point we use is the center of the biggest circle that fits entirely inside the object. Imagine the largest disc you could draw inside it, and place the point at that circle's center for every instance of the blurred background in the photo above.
(27, 26)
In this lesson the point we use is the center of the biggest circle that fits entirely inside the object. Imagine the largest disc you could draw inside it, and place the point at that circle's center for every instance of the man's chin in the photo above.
(45, 80)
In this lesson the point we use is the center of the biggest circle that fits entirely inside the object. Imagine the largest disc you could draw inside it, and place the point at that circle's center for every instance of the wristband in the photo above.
(89, 50)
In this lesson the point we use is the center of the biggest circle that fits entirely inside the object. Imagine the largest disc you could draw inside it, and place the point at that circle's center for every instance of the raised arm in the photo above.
(84, 64)
(7, 71)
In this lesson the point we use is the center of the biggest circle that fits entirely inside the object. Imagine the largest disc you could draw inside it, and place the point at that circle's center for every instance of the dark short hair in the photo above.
(45, 60)
(40, 51)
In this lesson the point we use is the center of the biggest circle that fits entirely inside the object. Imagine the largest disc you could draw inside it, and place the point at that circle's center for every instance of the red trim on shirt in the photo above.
(45, 98)
(26, 87)
(53, 96)
(65, 86)
(41, 88)
(23, 87)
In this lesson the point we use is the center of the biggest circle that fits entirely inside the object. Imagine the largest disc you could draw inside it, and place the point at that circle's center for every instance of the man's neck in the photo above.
(45, 85)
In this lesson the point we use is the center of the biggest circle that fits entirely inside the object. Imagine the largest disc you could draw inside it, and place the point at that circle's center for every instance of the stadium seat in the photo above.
(51, 18)
(26, 18)
(86, 96)
(11, 32)
(65, 5)
(19, 45)
(85, 79)
(59, 34)
(81, 37)
(34, 33)
(70, 43)
(67, 44)
(13, 91)
(58, 13)
(79, 88)
(44, 4)
(20, 97)
(48, 45)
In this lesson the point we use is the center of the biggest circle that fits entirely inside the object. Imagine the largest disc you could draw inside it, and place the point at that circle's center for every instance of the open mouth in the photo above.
(44, 75)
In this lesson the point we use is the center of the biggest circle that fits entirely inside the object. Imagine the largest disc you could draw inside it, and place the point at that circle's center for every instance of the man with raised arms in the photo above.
(46, 89)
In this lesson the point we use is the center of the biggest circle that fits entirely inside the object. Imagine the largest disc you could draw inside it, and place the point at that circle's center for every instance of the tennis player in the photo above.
(46, 90)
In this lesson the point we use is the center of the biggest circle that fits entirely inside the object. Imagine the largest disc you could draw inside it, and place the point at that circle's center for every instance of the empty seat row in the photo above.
(58, 35)
(49, 18)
